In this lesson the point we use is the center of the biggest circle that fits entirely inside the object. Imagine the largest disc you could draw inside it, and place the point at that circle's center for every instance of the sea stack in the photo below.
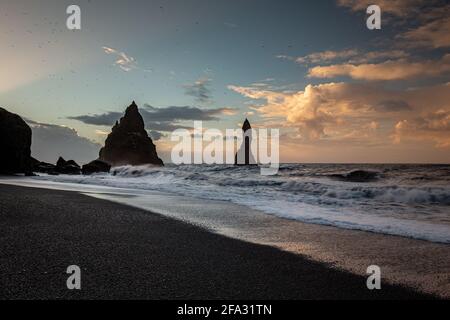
(246, 156)
(129, 143)
(15, 143)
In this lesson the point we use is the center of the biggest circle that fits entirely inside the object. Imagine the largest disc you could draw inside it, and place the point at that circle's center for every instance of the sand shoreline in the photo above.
(419, 264)
(126, 252)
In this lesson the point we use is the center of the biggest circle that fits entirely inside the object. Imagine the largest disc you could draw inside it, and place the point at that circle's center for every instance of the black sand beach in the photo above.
(128, 253)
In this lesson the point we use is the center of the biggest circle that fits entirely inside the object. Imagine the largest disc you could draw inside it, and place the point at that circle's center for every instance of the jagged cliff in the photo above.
(129, 143)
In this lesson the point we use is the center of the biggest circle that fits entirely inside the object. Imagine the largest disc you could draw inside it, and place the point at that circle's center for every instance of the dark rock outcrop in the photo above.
(67, 167)
(129, 143)
(95, 166)
(357, 176)
(62, 167)
(43, 167)
(15, 143)
(244, 150)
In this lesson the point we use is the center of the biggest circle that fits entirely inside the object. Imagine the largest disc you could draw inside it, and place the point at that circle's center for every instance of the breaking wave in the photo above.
(408, 200)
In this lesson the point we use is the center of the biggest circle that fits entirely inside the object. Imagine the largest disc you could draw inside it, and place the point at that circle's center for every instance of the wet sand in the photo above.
(129, 253)
(419, 264)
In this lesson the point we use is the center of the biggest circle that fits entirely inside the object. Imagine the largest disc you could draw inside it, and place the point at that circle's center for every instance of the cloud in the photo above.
(433, 17)
(123, 61)
(379, 55)
(399, 8)
(101, 132)
(176, 113)
(155, 135)
(230, 25)
(393, 106)
(159, 119)
(342, 112)
(227, 111)
(348, 55)
(434, 126)
(285, 57)
(49, 141)
(328, 55)
(199, 90)
(104, 119)
(433, 34)
(389, 70)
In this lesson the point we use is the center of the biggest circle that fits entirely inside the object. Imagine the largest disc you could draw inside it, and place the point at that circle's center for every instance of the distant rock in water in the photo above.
(62, 167)
(43, 167)
(357, 176)
(67, 167)
(15, 143)
(129, 143)
(244, 151)
(95, 167)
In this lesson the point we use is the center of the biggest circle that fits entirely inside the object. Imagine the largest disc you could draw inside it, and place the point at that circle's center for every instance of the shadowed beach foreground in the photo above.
(128, 253)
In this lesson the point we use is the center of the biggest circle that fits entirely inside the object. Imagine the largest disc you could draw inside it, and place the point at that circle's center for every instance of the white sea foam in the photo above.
(412, 201)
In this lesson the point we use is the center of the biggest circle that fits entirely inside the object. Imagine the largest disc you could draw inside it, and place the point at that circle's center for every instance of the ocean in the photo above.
(397, 199)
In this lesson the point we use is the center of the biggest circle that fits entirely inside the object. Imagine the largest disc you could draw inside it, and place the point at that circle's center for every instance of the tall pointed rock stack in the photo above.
(246, 125)
(129, 143)
(246, 156)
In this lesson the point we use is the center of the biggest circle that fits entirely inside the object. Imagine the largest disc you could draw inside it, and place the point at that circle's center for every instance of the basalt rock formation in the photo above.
(94, 167)
(129, 143)
(43, 167)
(15, 143)
(244, 155)
(357, 176)
(67, 167)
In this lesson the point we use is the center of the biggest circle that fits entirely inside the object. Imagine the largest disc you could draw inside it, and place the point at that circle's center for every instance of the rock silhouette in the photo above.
(357, 176)
(94, 167)
(129, 143)
(62, 167)
(244, 155)
(43, 167)
(15, 143)
(67, 167)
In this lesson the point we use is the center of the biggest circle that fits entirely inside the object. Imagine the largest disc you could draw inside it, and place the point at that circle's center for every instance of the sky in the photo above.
(337, 91)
